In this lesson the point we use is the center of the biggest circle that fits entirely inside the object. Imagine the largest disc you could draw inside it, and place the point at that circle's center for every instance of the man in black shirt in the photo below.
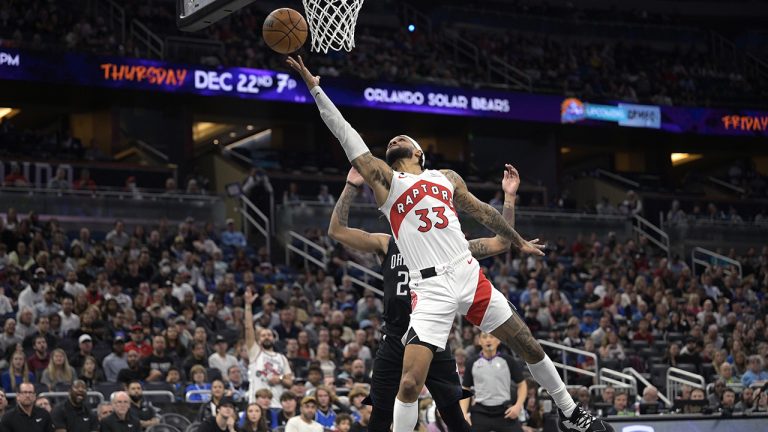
(135, 371)
(73, 415)
(26, 417)
(121, 420)
(442, 379)
(159, 362)
(225, 418)
(140, 408)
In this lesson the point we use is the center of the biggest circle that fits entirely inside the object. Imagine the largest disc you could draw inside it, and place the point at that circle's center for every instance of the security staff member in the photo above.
(26, 417)
(121, 420)
(73, 415)
(491, 376)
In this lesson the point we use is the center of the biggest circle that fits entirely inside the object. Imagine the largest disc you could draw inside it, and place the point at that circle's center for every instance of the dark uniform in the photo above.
(143, 411)
(442, 381)
(17, 420)
(112, 423)
(74, 419)
(492, 380)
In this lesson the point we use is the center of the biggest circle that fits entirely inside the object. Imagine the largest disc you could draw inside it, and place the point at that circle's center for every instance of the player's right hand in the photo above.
(249, 296)
(511, 180)
(310, 80)
(354, 177)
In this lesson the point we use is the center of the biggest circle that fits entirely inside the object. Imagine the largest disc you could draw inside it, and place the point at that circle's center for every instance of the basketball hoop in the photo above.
(332, 23)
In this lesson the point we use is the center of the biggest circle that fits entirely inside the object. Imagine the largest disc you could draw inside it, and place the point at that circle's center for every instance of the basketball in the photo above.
(285, 30)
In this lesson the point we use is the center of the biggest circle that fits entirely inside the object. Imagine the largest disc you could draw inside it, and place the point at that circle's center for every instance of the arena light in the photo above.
(678, 159)
(8, 112)
(411, 28)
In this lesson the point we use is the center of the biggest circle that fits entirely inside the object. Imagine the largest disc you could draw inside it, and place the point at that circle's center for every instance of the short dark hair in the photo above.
(287, 396)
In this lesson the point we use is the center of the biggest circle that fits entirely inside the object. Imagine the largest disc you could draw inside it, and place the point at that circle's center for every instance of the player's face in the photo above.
(398, 148)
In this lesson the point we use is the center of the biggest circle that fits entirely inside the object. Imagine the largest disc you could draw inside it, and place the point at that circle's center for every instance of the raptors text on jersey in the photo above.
(423, 219)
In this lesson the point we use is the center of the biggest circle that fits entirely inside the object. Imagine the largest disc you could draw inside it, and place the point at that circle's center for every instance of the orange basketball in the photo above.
(285, 30)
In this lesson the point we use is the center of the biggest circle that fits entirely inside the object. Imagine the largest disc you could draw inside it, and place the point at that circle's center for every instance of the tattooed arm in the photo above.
(375, 171)
(487, 215)
(352, 237)
(486, 247)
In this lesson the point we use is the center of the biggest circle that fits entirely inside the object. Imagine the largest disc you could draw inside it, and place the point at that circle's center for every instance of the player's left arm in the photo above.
(487, 215)
(487, 247)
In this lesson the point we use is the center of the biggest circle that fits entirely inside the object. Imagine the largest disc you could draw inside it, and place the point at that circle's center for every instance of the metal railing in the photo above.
(509, 75)
(193, 49)
(115, 17)
(677, 378)
(724, 48)
(202, 393)
(713, 259)
(248, 209)
(726, 185)
(564, 351)
(159, 394)
(618, 379)
(618, 178)
(145, 38)
(463, 47)
(90, 396)
(639, 377)
(644, 227)
(303, 251)
(368, 273)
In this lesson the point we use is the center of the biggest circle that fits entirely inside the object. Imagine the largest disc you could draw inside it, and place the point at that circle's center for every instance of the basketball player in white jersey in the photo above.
(421, 206)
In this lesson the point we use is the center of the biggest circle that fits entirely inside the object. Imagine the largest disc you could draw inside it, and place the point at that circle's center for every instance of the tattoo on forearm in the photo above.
(508, 213)
(342, 205)
(479, 249)
(367, 164)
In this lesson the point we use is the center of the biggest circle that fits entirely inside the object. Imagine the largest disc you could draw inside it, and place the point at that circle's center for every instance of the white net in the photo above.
(332, 23)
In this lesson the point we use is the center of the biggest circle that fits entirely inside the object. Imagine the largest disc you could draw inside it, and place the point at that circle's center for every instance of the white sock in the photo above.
(405, 416)
(546, 375)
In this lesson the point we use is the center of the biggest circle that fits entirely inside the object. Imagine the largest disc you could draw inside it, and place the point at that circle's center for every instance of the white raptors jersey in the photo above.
(423, 219)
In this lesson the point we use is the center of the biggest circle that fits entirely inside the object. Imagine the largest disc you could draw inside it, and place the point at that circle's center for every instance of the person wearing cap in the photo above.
(305, 421)
(85, 344)
(138, 342)
(115, 361)
(231, 237)
(33, 293)
(220, 359)
(225, 419)
(48, 306)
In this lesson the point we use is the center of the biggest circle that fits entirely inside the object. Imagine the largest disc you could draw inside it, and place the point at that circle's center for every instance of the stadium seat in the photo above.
(193, 427)
(176, 420)
(107, 388)
(688, 367)
(675, 337)
(162, 428)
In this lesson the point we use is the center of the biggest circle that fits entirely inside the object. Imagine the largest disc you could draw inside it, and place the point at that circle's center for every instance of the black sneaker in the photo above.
(582, 421)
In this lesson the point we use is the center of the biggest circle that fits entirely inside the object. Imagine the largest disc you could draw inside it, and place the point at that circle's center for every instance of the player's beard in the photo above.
(267, 344)
(397, 153)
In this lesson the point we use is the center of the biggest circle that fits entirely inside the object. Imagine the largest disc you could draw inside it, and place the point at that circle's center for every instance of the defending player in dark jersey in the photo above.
(442, 380)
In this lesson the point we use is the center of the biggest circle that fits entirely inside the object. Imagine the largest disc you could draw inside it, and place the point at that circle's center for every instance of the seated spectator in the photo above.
(717, 394)
(85, 182)
(135, 370)
(620, 406)
(237, 387)
(326, 414)
(90, 373)
(726, 374)
(18, 372)
(197, 357)
(208, 409)
(141, 408)
(222, 360)
(58, 372)
(60, 181)
(44, 403)
(159, 362)
(612, 348)
(747, 400)
(230, 237)
(199, 379)
(756, 375)
(651, 396)
(728, 401)
(254, 419)
(288, 405)
(40, 357)
(344, 423)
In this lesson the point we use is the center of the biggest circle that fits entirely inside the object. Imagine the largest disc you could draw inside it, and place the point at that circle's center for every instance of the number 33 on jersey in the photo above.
(423, 219)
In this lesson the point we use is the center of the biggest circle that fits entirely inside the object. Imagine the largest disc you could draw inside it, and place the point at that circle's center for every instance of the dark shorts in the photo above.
(442, 379)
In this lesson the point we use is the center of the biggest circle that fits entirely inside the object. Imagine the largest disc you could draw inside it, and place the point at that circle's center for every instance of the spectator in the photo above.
(121, 419)
(717, 394)
(85, 182)
(726, 374)
(230, 237)
(197, 357)
(254, 419)
(73, 414)
(305, 421)
(44, 403)
(756, 375)
(103, 411)
(218, 393)
(115, 361)
(138, 342)
(118, 236)
(48, 306)
(235, 383)
(267, 368)
(728, 401)
(651, 396)
(8, 338)
(58, 372)
(40, 357)
(344, 422)
(199, 382)
(324, 197)
(18, 372)
(221, 360)
(135, 370)
(361, 425)
(90, 373)
(291, 195)
(620, 406)
(159, 362)
(747, 400)
(85, 349)
(69, 320)
(140, 408)
(19, 420)
(3, 404)
(325, 414)
(15, 178)
(33, 293)
(60, 181)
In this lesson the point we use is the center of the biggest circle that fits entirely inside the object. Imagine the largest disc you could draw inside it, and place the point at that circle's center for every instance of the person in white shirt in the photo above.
(220, 359)
(115, 292)
(266, 368)
(305, 422)
(69, 321)
(72, 286)
(33, 293)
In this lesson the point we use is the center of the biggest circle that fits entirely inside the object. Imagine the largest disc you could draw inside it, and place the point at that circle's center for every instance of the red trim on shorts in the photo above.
(480, 303)
(414, 300)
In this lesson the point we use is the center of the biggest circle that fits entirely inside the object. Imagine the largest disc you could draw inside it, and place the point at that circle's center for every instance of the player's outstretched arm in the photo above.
(487, 215)
(340, 231)
(250, 332)
(486, 247)
(375, 171)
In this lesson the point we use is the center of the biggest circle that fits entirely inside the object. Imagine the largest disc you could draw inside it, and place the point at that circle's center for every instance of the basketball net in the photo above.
(332, 23)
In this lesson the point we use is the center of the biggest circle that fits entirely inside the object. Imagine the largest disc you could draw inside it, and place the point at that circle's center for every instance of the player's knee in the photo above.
(409, 387)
